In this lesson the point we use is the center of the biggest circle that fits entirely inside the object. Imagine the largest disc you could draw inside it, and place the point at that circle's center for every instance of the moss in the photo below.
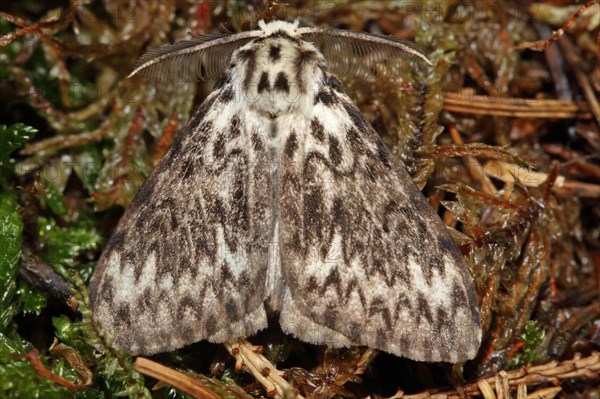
(92, 137)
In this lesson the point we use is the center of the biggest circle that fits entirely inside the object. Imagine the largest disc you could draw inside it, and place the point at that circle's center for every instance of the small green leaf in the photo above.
(65, 244)
(88, 165)
(12, 138)
(32, 300)
(12, 344)
(7, 313)
(18, 379)
(55, 200)
(532, 338)
(72, 333)
(11, 228)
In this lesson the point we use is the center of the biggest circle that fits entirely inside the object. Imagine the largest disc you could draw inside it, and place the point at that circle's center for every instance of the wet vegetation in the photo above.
(503, 140)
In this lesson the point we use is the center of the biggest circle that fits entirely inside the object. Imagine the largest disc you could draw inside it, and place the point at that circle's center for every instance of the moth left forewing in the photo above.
(189, 258)
(366, 260)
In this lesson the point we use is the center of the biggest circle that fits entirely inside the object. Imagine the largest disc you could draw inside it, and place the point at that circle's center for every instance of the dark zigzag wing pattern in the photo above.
(188, 259)
(278, 192)
(367, 261)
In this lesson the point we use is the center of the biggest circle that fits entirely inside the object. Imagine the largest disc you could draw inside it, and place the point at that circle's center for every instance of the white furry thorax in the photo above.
(279, 73)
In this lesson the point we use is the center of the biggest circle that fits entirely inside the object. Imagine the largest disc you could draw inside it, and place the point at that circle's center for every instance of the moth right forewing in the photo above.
(188, 259)
(367, 261)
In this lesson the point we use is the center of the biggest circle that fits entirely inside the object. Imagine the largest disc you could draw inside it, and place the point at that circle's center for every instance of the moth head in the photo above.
(278, 73)
(273, 27)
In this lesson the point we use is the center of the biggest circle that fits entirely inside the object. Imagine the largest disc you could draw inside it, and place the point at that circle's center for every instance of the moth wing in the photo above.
(365, 259)
(187, 260)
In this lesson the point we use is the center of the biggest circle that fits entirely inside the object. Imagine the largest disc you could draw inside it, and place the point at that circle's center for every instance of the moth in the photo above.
(278, 197)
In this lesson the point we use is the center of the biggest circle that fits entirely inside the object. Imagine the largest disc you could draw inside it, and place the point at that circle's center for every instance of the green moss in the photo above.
(11, 228)
(532, 338)
(11, 138)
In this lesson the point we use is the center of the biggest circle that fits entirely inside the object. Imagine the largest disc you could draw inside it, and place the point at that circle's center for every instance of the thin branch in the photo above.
(515, 107)
(541, 45)
(475, 167)
(247, 357)
(174, 378)
(567, 188)
(33, 358)
(550, 373)
(582, 76)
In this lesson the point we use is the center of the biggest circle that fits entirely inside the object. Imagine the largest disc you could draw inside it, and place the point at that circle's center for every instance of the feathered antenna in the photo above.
(361, 54)
(202, 59)
(348, 53)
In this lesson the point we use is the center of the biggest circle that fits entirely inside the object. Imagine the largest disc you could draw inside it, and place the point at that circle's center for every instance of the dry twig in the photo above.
(550, 373)
(515, 107)
(33, 358)
(568, 188)
(576, 63)
(248, 357)
(174, 378)
(475, 168)
(541, 45)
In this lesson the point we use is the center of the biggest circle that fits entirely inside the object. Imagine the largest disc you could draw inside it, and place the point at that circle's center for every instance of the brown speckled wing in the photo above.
(365, 259)
(278, 192)
(188, 259)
